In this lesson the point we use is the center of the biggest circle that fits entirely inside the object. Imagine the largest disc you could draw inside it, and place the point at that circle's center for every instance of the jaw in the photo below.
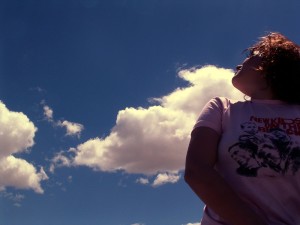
(256, 88)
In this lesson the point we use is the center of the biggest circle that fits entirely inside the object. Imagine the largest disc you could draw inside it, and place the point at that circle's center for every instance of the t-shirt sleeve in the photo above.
(211, 115)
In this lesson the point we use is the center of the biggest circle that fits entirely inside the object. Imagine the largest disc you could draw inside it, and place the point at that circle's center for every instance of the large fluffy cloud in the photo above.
(143, 141)
(16, 135)
(16, 132)
(154, 140)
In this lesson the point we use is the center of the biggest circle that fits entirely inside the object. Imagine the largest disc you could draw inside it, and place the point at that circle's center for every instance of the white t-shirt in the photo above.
(258, 155)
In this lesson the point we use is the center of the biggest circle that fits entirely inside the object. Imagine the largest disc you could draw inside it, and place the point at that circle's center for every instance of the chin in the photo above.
(235, 83)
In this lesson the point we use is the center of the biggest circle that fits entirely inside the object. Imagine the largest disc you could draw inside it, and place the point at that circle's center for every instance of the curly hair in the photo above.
(280, 65)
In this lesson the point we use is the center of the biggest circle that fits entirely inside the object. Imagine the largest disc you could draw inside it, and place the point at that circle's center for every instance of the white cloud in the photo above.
(138, 224)
(143, 141)
(142, 180)
(59, 160)
(16, 132)
(164, 178)
(48, 113)
(71, 127)
(159, 179)
(154, 140)
(19, 173)
(206, 82)
(16, 135)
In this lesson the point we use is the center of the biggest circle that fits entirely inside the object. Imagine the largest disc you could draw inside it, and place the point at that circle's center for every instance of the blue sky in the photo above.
(98, 99)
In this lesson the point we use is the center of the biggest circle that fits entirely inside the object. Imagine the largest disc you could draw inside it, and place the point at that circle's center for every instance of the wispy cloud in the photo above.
(15, 198)
(17, 135)
(142, 180)
(153, 141)
(72, 128)
(59, 160)
(48, 113)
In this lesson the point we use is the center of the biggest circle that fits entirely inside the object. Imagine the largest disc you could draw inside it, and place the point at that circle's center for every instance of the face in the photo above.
(269, 156)
(282, 136)
(249, 128)
(249, 80)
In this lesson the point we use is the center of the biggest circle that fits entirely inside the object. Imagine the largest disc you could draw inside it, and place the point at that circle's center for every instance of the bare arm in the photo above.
(209, 185)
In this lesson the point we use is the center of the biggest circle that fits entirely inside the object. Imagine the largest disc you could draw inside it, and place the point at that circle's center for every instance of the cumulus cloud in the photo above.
(154, 140)
(143, 141)
(164, 178)
(16, 135)
(72, 128)
(16, 132)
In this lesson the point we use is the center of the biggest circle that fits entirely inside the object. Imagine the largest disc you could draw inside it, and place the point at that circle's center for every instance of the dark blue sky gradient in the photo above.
(92, 58)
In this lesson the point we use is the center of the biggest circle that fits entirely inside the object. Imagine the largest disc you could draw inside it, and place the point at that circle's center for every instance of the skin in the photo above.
(250, 80)
(201, 157)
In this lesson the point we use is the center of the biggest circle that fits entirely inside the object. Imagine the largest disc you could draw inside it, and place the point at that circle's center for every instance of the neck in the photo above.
(263, 94)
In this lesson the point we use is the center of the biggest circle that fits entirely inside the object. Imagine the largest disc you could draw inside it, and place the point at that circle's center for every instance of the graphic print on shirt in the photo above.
(266, 144)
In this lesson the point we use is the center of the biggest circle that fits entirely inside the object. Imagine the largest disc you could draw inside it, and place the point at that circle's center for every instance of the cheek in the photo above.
(245, 84)
(234, 81)
(238, 81)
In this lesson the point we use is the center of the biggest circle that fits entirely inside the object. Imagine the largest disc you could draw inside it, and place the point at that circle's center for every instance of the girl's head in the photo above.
(277, 60)
(280, 64)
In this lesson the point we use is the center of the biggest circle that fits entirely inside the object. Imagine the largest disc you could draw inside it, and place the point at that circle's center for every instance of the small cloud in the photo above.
(138, 224)
(48, 113)
(164, 178)
(70, 179)
(38, 89)
(142, 181)
(73, 129)
(59, 160)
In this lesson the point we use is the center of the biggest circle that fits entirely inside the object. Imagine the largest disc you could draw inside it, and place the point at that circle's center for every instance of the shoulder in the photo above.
(213, 113)
(223, 102)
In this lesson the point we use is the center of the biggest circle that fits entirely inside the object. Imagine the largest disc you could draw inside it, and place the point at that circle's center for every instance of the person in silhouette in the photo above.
(238, 170)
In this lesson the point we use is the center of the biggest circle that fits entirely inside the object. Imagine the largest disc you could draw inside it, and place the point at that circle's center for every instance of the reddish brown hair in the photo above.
(280, 64)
